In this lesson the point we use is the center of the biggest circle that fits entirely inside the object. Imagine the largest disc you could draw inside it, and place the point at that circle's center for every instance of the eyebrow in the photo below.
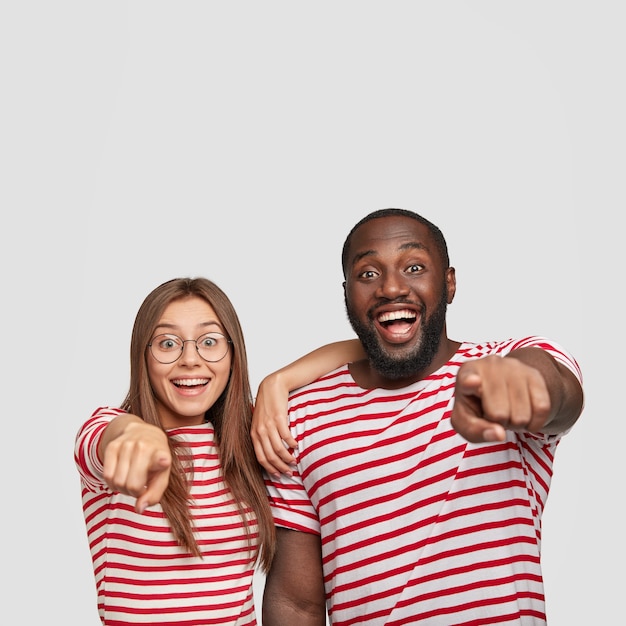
(167, 326)
(411, 245)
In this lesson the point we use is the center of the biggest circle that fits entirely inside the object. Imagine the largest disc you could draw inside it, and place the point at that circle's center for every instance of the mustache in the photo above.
(371, 312)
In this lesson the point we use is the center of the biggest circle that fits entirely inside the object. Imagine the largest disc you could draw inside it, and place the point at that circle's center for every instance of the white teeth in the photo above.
(396, 315)
(191, 382)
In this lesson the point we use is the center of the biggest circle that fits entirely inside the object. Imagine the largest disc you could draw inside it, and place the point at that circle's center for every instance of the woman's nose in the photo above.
(190, 353)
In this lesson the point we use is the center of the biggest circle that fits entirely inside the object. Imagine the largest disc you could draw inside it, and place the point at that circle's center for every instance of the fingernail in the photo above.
(490, 435)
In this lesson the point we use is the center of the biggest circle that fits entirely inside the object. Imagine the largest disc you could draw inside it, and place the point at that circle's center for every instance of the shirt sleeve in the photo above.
(86, 444)
(559, 353)
(290, 503)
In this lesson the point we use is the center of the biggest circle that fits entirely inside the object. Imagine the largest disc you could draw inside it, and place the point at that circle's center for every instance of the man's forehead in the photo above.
(403, 231)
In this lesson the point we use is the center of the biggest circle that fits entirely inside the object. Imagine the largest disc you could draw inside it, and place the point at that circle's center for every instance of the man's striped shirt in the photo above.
(417, 525)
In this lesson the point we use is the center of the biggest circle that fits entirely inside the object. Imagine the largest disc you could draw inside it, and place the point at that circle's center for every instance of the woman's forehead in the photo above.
(189, 309)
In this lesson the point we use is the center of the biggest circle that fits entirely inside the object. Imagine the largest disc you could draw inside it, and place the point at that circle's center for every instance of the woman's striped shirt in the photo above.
(142, 575)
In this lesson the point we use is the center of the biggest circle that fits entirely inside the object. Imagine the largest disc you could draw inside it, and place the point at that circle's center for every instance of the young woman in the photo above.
(175, 506)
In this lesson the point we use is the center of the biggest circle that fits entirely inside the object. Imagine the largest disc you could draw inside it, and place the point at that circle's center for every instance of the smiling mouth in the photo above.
(396, 320)
(191, 382)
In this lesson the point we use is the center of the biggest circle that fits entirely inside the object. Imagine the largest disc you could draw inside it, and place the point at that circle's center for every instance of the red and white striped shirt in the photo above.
(417, 524)
(142, 575)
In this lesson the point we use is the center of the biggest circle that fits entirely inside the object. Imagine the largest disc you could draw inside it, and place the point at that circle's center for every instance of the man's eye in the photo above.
(412, 269)
(367, 274)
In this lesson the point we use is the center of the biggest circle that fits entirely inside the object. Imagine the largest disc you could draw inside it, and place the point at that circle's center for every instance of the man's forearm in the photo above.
(277, 612)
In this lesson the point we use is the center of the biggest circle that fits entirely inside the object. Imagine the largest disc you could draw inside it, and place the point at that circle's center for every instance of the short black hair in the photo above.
(440, 240)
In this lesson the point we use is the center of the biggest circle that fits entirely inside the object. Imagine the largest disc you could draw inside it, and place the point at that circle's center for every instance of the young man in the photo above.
(421, 471)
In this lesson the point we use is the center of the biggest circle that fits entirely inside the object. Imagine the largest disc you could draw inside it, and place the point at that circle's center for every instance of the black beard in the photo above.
(406, 365)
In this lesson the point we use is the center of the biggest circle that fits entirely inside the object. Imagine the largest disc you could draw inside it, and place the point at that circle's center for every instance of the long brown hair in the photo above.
(231, 416)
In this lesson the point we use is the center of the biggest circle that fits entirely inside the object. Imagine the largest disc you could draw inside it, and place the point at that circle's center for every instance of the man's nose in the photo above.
(392, 285)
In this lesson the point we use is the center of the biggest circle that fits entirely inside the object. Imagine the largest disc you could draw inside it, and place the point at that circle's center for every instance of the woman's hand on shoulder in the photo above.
(270, 432)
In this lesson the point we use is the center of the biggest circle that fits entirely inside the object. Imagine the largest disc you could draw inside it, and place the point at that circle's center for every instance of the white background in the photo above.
(140, 141)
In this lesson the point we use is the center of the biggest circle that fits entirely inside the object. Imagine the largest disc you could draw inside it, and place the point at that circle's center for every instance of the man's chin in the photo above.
(393, 368)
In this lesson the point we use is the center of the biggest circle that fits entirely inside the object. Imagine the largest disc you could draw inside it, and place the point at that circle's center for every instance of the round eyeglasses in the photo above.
(212, 347)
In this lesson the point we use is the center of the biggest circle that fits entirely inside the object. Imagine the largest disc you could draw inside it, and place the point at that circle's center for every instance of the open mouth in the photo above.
(190, 382)
(397, 325)
(397, 318)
